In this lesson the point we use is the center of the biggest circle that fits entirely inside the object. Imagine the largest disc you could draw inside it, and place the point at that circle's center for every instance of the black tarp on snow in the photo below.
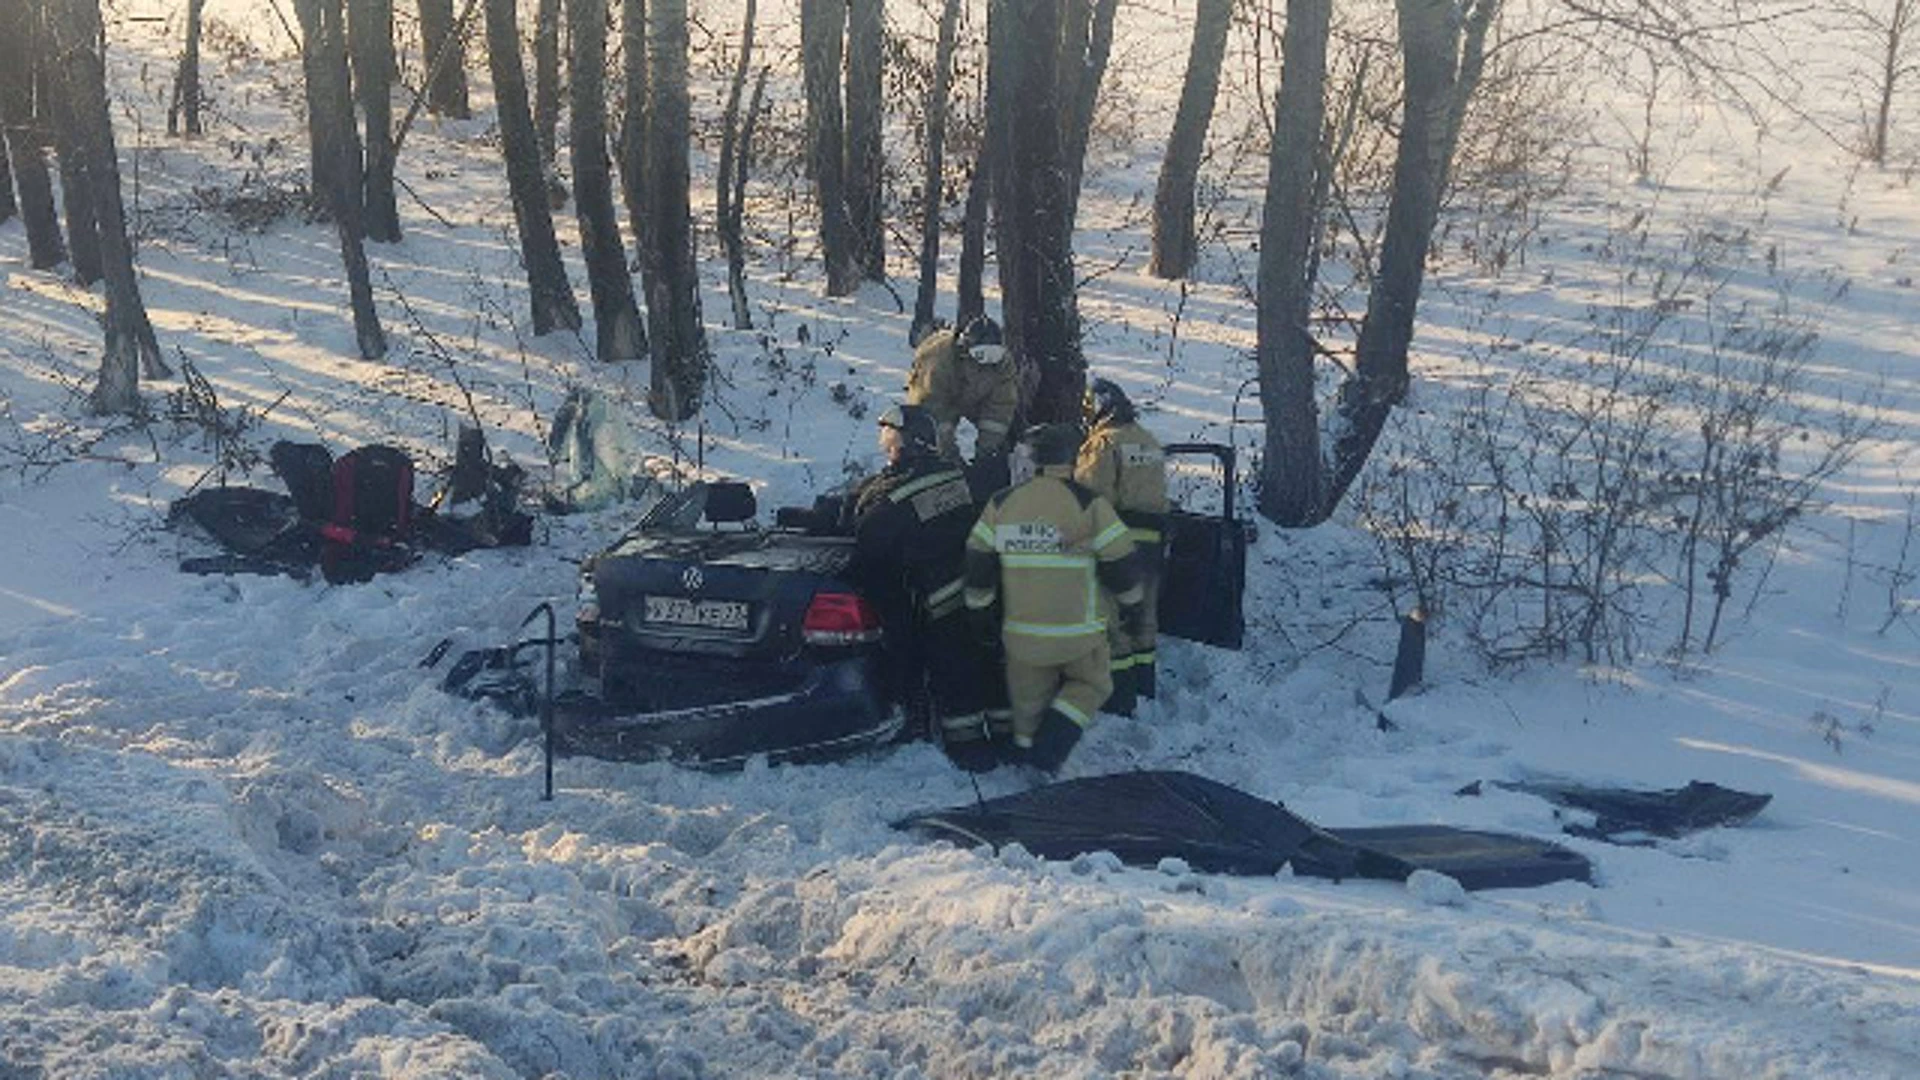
(1144, 817)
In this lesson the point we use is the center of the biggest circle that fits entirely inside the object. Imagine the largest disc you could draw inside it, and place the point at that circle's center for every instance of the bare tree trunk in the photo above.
(549, 292)
(729, 188)
(730, 122)
(934, 184)
(618, 334)
(447, 88)
(336, 156)
(8, 208)
(971, 302)
(546, 78)
(1174, 243)
(1032, 193)
(633, 120)
(680, 357)
(1430, 45)
(131, 348)
(822, 30)
(1893, 67)
(371, 27)
(1477, 22)
(184, 110)
(1076, 29)
(1298, 486)
(62, 107)
(1292, 475)
(866, 160)
(59, 106)
(46, 248)
(19, 51)
(1080, 77)
(736, 210)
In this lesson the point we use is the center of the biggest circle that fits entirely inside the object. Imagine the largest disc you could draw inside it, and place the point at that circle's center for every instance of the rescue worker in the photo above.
(1043, 552)
(1123, 462)
(910, 522)
(966, 375)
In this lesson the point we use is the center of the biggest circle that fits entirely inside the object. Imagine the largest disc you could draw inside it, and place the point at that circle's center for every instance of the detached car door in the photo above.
(1204, 578)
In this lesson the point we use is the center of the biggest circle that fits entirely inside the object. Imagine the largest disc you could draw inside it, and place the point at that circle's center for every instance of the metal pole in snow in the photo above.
(546, 698)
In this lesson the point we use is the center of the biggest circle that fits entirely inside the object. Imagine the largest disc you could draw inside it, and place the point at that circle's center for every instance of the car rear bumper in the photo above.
(835, 708)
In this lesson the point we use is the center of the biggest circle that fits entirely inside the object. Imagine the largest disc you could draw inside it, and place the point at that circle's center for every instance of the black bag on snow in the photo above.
(307, 470)
(372, 518)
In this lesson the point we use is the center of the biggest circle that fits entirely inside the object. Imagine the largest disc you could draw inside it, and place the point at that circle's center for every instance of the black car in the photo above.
(708, 638)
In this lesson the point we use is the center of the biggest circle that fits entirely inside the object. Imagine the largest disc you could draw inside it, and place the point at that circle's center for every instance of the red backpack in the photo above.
(371, 525)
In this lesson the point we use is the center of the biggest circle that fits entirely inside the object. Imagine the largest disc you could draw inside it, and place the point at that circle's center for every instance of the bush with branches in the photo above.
(1587, 494)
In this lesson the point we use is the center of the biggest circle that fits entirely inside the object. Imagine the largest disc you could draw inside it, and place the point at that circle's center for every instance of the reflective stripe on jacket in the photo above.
(1046, 549)
(910, 526)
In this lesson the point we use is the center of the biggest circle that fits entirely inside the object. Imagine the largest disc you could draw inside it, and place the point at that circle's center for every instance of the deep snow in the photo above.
(242, 834)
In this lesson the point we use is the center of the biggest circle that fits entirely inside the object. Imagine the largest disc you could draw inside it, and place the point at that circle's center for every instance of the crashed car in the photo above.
(706, 637)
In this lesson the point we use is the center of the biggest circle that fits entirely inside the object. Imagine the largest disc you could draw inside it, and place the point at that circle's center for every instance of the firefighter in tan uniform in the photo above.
(1044, 551)
(966, 375)
(1123, 462)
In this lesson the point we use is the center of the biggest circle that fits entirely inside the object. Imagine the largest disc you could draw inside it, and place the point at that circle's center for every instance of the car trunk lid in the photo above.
(726, 593)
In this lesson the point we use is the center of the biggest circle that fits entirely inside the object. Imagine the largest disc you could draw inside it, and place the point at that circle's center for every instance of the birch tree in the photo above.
(1174, 247)
(549, 293)
(679, 338)
(336, 157)
(823, 26)
(1442, 45)
(617, 331)
(131, 350)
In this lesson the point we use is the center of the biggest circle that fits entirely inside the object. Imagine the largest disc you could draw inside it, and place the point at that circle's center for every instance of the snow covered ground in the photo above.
(242, 834)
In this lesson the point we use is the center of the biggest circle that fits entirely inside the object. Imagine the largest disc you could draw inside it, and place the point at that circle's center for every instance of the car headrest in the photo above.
(730, 502)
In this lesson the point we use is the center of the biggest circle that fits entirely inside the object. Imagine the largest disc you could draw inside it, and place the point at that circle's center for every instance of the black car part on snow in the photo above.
(1204, 575)
(1632, 816)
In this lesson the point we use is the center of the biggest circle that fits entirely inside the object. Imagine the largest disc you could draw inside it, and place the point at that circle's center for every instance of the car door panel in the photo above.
(1204, 575)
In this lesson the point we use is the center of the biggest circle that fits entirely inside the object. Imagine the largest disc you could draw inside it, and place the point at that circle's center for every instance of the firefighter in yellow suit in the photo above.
(966, 375)
(1124, 463)
(1043, 552)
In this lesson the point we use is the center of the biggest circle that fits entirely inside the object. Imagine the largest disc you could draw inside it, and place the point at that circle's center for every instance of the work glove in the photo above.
(1053, 741)
(1133, 619)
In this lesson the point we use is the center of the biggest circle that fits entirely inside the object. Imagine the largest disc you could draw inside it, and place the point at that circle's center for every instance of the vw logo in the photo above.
(692, 579)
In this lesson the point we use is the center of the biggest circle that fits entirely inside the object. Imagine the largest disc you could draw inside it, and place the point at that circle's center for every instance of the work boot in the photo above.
(1008, 752)
(1124, 698)
(1055, 739)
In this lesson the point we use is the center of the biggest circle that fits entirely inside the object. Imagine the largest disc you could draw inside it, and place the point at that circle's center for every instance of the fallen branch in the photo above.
(437, 215)
(1116, 264)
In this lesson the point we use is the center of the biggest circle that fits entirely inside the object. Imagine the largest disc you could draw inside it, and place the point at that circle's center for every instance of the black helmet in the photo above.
(1105, 400)
(1052, 444)
(915, 425)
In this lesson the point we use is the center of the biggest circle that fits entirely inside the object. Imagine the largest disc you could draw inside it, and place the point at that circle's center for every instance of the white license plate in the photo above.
(711, 614)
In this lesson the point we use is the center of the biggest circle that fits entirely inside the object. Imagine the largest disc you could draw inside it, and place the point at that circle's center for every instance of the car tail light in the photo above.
(835, 618)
